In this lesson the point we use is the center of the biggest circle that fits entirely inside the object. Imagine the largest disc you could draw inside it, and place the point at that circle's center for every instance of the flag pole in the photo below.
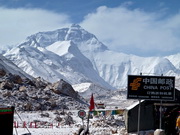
(91, 107)
(87, 130)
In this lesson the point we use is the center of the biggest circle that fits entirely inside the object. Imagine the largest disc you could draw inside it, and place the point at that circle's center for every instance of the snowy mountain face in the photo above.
(77, 56)
(175, 60)
(11, 68)
(59, 60)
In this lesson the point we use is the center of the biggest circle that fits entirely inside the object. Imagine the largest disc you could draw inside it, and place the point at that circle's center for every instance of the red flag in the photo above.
(92, 106)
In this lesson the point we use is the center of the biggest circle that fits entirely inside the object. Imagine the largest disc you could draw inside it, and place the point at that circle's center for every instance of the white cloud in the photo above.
(135, 31)
(17, 24)
(121, 29)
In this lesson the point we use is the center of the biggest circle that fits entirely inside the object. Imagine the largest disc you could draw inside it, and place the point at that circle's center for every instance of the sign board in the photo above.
(81, 114)
(151, 87)
(6, 120)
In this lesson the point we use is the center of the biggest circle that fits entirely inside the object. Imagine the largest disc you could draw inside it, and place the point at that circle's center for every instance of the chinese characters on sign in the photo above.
(151, 87)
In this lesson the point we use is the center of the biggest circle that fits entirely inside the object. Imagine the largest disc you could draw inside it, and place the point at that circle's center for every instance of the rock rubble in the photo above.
(37, 94)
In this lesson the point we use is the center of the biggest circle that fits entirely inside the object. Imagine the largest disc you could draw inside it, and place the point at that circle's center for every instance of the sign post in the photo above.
(82, 114)
(160, 116)
(150, 88)
(139, 115)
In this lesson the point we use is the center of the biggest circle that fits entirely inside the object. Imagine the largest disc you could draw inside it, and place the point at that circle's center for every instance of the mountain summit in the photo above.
(74, 33)
(77, 56)
(55, 55)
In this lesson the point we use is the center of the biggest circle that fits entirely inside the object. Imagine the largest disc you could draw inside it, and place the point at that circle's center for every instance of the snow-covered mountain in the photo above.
(59, 60)
(9, 67)
(175, 60)
(77, 56)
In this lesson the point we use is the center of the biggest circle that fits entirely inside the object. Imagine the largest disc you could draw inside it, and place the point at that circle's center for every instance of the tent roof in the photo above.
(133, 105)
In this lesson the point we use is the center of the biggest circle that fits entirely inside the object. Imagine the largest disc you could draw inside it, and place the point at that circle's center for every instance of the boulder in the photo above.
(40, 83)
(17, 79)
(22, 88)
(62, 87)
(7, 94)
(28, 106)
(58, 119)
(45, 114)
(6, 85)
(27, 81)
(68, 120)
(2, 72)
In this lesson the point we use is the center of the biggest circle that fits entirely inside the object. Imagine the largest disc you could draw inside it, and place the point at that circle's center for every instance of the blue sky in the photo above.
(140, 27)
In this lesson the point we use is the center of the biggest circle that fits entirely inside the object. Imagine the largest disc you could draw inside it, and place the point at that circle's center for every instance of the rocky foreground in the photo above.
(67, 123)
(37, 94)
